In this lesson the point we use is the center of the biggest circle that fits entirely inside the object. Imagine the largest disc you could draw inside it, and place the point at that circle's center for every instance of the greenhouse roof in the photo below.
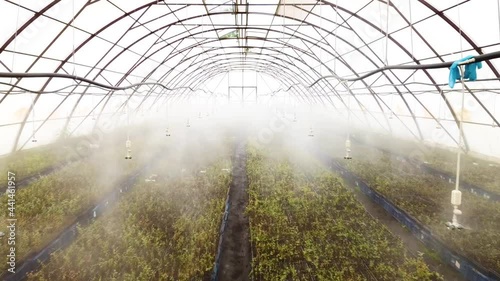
(89, 57)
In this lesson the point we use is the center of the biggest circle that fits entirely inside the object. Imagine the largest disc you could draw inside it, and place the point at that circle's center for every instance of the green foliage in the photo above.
(307, 226)
(29, 162)
(166, 230)
(474, 169)
(427, 198)
(49, 205)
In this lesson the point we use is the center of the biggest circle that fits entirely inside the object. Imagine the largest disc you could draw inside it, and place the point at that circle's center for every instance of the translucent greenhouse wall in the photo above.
(291, 44)
(358, 89)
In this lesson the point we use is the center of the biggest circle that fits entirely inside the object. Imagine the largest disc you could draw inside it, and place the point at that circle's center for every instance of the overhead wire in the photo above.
(411, 37)
(494, 110)
(411, 30)
(387, 34)
(336, 35)
(15, 37)
(498, 16)
(439, 109)
(73, 33)
(380, 25)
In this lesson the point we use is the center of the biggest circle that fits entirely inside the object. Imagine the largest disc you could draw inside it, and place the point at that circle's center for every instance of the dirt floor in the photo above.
(235, 259)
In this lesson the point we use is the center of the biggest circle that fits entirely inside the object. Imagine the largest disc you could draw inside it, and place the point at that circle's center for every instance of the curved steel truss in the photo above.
(176, 48)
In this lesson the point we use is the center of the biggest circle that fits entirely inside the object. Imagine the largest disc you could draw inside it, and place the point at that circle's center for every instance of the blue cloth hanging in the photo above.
(469, 73)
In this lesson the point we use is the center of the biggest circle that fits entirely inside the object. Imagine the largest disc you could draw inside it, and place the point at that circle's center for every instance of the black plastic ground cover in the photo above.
(233, 261)
(215, 272)
(69, 234)
(445, 176)
(468, 268)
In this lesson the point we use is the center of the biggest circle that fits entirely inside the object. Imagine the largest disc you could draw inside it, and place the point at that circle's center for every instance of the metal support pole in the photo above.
(456, 195)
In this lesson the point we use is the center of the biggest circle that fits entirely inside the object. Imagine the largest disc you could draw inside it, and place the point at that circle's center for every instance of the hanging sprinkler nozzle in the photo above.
(348, 150)
(311, 132)
(128, 145)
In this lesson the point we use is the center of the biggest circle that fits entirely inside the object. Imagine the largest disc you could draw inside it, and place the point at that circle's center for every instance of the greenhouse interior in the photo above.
(253, 140)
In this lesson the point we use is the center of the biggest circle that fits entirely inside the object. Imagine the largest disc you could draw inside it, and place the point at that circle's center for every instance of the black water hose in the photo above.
(475, 59)
(480, 58)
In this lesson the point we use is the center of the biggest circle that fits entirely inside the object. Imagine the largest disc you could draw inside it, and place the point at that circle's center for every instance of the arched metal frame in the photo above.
(294, 70)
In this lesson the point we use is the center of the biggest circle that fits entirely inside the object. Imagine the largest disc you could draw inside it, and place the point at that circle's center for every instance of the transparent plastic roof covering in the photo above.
(289, 45)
